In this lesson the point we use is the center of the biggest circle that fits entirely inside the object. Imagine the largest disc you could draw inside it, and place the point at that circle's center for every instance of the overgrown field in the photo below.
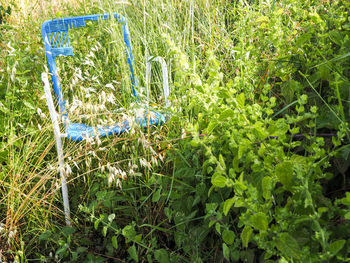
(252, 164)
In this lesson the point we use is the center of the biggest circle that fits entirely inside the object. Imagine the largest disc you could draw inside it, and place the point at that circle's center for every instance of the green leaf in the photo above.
(133, 253)
(245, 235)
(267, 185)
(111, 217)
(129, 232)
(284, 172)
(222, 162)
(259, 221)
(226, 114)
(288, 246)
(346, 199)
(68, 230)
(241, 100)
(115, 242)
(156, 196)
(289, 89)
(218, 180)
(228, 236)
(347, 216)
(46, 235)
(227, 205)
(81, 249)
(96, 224)
(161, 255)
(226, 251)
(28, 105)
(336, 246)
(104, 231)
(218, 227)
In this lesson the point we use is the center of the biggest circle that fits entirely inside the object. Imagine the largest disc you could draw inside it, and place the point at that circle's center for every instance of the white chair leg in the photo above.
(59, 147)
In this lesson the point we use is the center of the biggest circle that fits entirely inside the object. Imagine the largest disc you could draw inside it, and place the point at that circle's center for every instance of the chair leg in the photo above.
(63, 179)
(59, 146)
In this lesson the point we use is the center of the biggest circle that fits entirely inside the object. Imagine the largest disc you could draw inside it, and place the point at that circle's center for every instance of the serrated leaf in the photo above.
(259, 221)
(228, 236)
(288, 246)
(284, 172)
(115, 242)
(133, 253)
(227, 205)
(336, 246)
(245, 235)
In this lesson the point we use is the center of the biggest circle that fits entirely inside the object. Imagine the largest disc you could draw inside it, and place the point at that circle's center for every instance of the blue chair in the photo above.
(57, 43)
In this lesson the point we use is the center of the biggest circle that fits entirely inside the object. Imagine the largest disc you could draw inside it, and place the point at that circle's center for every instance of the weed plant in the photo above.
(251, 166)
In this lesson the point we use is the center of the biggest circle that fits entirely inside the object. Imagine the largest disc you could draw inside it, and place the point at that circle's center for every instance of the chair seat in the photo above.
(79, 131)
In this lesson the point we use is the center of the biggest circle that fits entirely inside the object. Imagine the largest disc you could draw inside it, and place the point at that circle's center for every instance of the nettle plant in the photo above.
(259, 178)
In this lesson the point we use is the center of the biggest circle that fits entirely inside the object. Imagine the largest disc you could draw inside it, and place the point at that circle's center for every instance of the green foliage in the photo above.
(240, 171)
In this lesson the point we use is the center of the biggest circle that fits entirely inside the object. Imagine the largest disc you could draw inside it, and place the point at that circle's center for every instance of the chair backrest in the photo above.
(56, 42)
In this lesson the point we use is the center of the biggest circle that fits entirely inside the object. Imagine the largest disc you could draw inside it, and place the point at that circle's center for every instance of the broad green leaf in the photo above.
(133, 253)
(289, 88)
(336, 246)
(245, 235)
(68, 230)
(222, 162)
(347, 216)
(288, 246)
(227, 205)
(46, 235)
(161, 255)
(218, 180)
(284, 172)
(267, 187)
(115, 242)
(228, 236)
(226, 114)
(129, 232)
(211, 126)
(259, 221)
(156, 196)
(346, 199)
(241, 100)
(226, 251)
